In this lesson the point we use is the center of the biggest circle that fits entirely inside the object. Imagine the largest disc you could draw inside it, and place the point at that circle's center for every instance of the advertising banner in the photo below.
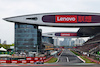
(66, 34)
(41, 58)
(14, 61)
(24, 61)
(36, 58)
(3, 61)
(29, 58)
(31, 61)
(71, 19)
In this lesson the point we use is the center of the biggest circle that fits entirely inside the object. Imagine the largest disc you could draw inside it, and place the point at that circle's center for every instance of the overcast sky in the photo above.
(9, 8)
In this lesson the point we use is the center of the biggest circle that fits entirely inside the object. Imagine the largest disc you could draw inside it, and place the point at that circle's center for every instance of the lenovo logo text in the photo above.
(66, 19)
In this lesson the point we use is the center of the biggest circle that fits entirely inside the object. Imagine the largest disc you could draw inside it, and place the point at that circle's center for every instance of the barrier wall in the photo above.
(31, 60)
(59, 53)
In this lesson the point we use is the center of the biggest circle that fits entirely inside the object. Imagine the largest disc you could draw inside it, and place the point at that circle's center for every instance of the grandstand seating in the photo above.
(96, 38)
(90, 44)
(87, 47)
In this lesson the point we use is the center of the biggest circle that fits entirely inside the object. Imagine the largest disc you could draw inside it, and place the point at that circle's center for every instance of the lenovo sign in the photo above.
(65, 19)
(66, 34)
(72, 19)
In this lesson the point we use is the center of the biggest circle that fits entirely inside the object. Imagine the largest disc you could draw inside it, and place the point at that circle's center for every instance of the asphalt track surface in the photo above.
(68, 57)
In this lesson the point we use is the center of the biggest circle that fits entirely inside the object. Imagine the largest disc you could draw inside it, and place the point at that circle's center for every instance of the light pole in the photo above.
(37, 49)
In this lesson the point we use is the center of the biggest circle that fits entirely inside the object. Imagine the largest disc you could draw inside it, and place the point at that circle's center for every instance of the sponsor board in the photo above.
(14, 61)
(71, 19)
(3, 61)
(36, 58)
(24, 61)
(29, 58)
(65, 34)
(65, 19)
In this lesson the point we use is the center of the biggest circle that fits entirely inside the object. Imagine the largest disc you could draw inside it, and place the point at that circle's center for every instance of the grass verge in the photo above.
(75, 53)
(86, 60)
(83, 57)
(52, 60)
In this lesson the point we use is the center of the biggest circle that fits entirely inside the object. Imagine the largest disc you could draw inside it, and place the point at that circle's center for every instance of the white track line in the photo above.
(59, 57)
(67, 59)
(81, 59)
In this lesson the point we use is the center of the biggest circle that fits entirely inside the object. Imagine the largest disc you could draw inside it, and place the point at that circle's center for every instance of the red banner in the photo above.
(31, 61)
(24, 61)
(66, 19)
(36, 58)
(29, 58)
(3, 61)
(72, 19)
(68, 34)
(14, 61)
(41, 58)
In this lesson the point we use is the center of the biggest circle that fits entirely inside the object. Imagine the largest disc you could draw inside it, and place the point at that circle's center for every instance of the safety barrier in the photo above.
(30, 60)
(59, 53)
(3, 61)
(24, 61)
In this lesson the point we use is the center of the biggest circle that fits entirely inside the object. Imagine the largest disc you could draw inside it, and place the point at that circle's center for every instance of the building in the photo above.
(66, 41)
(27, 37)
(72, 43)
(79, 42)
(61, 43)
(5, 42)
(47, 39)
(56, 42)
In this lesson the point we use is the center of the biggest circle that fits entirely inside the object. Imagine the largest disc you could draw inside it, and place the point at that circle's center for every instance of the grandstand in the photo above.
(95, 39)
(88, 47)
(92, 46)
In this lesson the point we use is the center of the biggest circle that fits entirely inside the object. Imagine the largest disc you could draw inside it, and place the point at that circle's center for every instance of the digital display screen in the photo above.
(71, 19)
(65, 34)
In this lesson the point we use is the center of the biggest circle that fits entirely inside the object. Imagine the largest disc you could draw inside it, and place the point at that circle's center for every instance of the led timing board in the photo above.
(66, 34)
(71, 19)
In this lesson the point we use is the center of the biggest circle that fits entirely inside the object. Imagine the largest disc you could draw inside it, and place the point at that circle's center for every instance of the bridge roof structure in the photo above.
(82, 32)
(61, 34)
(89, 23)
